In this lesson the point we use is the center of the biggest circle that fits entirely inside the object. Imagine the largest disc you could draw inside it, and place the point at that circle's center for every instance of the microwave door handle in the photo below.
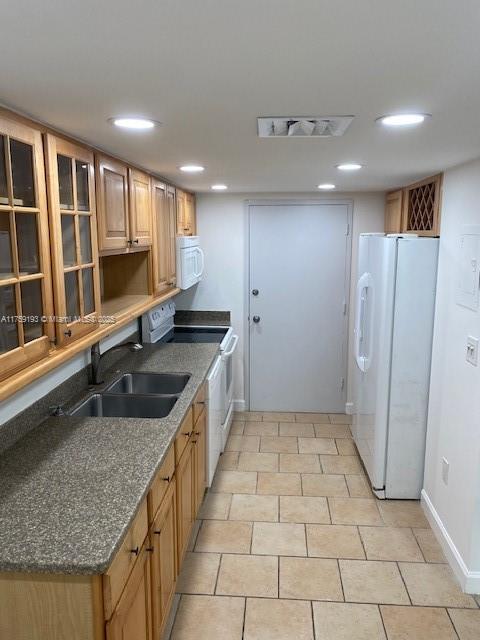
(200, 253)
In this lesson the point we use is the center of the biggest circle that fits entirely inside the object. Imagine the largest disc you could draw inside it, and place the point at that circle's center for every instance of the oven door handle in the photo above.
(227, 354)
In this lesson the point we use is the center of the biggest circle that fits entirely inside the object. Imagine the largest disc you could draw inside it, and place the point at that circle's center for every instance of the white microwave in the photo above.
(190, 261)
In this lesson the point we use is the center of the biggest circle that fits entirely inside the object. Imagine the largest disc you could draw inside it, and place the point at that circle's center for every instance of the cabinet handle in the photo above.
(157, 533)
(129, 242)
(150, 549)
(68, 333)
(194, 442)
(196, 433)
(136, 241)
(187, 434)
(201, 403)
(135, 551)
(167, 479)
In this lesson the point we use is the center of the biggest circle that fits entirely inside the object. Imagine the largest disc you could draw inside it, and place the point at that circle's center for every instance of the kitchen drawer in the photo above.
(161, 484)
(115, 578)
(183, 435)
(199, 403)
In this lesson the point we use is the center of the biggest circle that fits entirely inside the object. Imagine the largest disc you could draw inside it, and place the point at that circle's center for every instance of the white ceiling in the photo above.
(208, 68)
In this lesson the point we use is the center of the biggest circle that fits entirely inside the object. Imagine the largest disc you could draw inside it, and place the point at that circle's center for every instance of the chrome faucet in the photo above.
(96, 357)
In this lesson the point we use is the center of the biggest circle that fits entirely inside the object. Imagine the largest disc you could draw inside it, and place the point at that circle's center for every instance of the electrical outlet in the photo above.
(445, 470)
(472, 350)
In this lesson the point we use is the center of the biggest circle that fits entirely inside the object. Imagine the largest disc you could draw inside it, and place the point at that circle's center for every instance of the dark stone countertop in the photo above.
(71, 487)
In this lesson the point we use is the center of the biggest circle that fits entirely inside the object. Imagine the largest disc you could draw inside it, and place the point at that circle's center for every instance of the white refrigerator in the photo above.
(395, 300)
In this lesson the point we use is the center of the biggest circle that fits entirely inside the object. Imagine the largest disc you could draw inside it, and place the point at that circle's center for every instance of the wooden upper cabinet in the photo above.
(186, 215)
(393, 211)
(172, 216)
(140, 208)
(73, 230)
(421, 207)
(25, 281)
(180, 201)
(124, 206)
(190, 214)
(112, 204)
(163, 236)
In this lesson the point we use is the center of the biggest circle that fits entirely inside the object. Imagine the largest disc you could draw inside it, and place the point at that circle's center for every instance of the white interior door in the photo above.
(298, 292)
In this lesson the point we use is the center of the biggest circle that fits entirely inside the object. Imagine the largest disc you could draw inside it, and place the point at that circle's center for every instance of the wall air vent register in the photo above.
(303, 126)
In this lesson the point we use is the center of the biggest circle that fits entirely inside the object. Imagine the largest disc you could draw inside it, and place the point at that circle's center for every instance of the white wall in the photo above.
(454, 410)
(223, 230)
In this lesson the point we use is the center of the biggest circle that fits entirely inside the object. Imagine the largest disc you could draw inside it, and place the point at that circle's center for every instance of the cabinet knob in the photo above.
(254, 292)
(68, 333)
(194, 442)
(136, 241)
(187, 434)
(135, 551)
(167, 479)
(256, 319)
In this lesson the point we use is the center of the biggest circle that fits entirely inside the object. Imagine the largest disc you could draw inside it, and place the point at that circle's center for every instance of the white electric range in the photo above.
(158, 326)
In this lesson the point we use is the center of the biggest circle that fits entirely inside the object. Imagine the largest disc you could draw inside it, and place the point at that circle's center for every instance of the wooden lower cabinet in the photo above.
(164, 560)
(132, 619)
(185, 499)
(200, 458)
(133, 598)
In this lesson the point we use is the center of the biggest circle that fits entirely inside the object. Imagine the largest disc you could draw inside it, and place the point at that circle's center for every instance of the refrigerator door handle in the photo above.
(363, 285)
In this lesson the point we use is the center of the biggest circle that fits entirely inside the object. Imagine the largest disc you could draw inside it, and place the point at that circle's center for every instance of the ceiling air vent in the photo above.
(306, 126)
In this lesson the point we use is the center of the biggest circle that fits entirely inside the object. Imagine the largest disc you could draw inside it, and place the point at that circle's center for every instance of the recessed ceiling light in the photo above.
(192, 168)
(349, 166)
(219, 187)
(327, 186)
(133, 123)
(403, 119)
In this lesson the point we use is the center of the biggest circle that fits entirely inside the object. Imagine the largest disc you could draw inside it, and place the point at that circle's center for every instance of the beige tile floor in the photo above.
(292, 545)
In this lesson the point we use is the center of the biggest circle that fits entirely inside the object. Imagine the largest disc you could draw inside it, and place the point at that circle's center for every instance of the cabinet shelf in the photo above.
(123, 304)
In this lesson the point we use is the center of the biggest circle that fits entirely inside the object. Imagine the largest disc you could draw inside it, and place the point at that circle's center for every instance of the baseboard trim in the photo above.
(469, 580)
(239, 405)
(349, 408)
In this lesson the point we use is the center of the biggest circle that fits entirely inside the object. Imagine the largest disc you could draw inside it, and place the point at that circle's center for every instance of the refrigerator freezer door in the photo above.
(410, 369)
(377, 256)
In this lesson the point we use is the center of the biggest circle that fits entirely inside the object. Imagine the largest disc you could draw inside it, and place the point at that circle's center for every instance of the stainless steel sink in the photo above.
(150, 383)
(125, 406)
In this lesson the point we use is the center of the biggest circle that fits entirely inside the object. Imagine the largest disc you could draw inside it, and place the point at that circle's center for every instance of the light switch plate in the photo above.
(472, 350)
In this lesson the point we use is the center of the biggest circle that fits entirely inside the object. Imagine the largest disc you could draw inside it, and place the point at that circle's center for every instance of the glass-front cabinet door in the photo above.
(74, 239)
(25, 288)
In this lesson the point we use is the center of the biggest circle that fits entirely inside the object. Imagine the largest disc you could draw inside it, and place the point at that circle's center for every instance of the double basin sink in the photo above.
(135, 395)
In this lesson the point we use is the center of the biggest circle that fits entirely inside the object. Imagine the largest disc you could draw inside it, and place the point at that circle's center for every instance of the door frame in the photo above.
(348, 202)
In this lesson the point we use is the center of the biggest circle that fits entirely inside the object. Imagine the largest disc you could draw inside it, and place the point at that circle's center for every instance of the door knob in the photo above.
(256, 319)
(254, 292)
